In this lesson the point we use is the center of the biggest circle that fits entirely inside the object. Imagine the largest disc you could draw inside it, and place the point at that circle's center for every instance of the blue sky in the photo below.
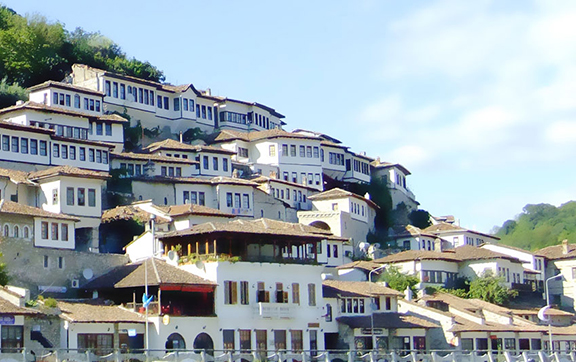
(476, 99)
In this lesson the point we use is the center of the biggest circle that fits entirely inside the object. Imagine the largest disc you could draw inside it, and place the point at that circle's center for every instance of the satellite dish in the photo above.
(199, 264)
(172, 255)
(88, 273)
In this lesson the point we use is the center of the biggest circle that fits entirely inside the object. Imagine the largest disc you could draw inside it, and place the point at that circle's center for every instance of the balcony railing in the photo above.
(273, 310)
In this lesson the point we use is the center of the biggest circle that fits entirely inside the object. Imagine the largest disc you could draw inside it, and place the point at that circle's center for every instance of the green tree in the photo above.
(398, 280)
(420, 218)
(11, 93)
(4, 276)
(490, 288)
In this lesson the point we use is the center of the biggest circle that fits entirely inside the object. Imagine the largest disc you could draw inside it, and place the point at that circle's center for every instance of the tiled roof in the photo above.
(447, 228)
(408, 231)
(379, 164)
(129, 212)
(415, 255)
(151, 157)
(54, 84)
(113, 118)
(170, 144)
(6, 307)
(191, 209)
(360, 264)
(365, 289)
(337, 193)
(229, 135)
(258, 227)
(387, 320)
(134, 275)
(21, 127)
(332, 144)
(324, 136)
(18, 177)
(465, 325)
(9, 207)
(511, 248)
(67, 171)
(266, 179)
(469, 252)
(555, 252)
(95, 311)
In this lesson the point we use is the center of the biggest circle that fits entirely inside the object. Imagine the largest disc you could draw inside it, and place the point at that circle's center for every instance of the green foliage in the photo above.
(4, 276)
(132, 137)
(11, 93)
(398, 280)
(50, 303)
(152, 132)
(539, 226)
(490, 288)
(420, 218)
(33, 50)
(192, 134)
(380, 195)
(462, 293)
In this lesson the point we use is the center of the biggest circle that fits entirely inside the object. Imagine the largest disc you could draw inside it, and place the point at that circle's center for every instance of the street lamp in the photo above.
(373, 306)
(548, 305)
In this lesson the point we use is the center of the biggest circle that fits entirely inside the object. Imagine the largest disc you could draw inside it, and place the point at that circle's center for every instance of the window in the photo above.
(98, 156)
(107, 88)
(296, 339)
(229, 199)
(54, 231)
(122, 91)
(15, 144)
(115, 89)
(272, 150)
(60, 262)
(204, 112)
(55, 197)
(193, 197)
(185, 104)
(215, 163)
(302, 151)
(388, 303)
(64, 232)
(108, 129)
(176, 104)
(33, 147)
(281, 295)
(140, 95)
(92, 197)
(81, 197)
(245, 340)
(201, 198)
(294, 177)
(263, 295)
(24, 145)
(261, 340)
(12, 338)
(70, 196)
(101, 344)
(205, 162)
(99, 128)
(197, 111)
(186, 196)
(312, 294)
(163, 171)
(309, 151)
(228, 339)
(242, 152)
(467, 344)
(64, 152)
(159, 101)
(55, 150)
(166, 105)
(72, 152)
(6, 230)
(91, 154)
(76, 101)
(316, 152)
(209, 113)
(246, 201)
(151, 98)
(244, 293)
(237, 201)
(230, 292)
(16, 232)
(5, 143)
(26, 232)
(146, 96)
(178, 171)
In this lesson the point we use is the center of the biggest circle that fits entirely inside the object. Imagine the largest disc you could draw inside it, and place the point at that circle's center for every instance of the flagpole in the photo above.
(146, 294)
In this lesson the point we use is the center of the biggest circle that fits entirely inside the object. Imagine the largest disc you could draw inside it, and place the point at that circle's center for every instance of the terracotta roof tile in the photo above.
(360, 264)
(366, 289)
(388, 321)
(18, 177)
(9, 207)
(67, 171)
(229, 135)
(72, 87)
(555, 252)
(151, 157)
(95, 311)
(191, 209)
(337, 193)
(170, 144)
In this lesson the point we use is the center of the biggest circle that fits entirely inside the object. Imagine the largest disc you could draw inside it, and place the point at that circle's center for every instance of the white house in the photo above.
(294, 194)
(342, 212)
(141, 165)
(458, 236)
(534, 266)
(561, 259)
(284, 155)
(410, 237)
(394, 175)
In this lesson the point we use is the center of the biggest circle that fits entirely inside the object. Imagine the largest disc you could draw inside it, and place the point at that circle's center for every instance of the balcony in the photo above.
(273, 310)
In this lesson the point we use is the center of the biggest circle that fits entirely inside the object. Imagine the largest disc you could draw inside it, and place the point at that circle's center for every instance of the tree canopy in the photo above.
(33, 50)
(398, 280)
(490, 288)
(539, 226)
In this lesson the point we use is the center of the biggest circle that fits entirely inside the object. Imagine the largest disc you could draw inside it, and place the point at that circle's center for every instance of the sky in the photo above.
(475, 98)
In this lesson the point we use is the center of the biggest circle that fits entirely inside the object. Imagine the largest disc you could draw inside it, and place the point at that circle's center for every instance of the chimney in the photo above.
(208, 91)
(438, 245)
(19, 102)
(181, 138)
(565, 246)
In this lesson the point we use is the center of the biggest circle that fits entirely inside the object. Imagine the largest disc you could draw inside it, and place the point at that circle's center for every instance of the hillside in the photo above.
(540, 225)
(32, 50)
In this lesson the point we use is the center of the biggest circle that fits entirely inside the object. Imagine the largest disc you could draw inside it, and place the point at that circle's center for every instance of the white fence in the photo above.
(269, 356)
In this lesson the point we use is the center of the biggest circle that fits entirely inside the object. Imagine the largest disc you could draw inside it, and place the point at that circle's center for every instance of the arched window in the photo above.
(175, 341)
(6, 230)
(26, 232)
(16, 232)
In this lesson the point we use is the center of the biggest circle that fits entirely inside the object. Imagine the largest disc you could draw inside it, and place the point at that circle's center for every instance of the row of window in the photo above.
(242, 152)
(63, 131)
(69, 152)
(280, 338)
(310, 179)
(260, 120)
(237, 202)
(400, 180)
(434, 276)
(170, 171)
(362, 167)
(304, 151)
(430, 243)
(194, 198)
(334, 158)
(65, 100)
(263, 295)
(54, 231)
(215, 163)
(356, 208)
(101, 128)
(15, 231)
(357, 305)
(80, 196)
(331, 251)
(24, 145)
(280, 194)
(46, 262)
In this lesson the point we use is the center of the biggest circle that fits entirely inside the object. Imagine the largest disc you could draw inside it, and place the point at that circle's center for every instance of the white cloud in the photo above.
(561, 132)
